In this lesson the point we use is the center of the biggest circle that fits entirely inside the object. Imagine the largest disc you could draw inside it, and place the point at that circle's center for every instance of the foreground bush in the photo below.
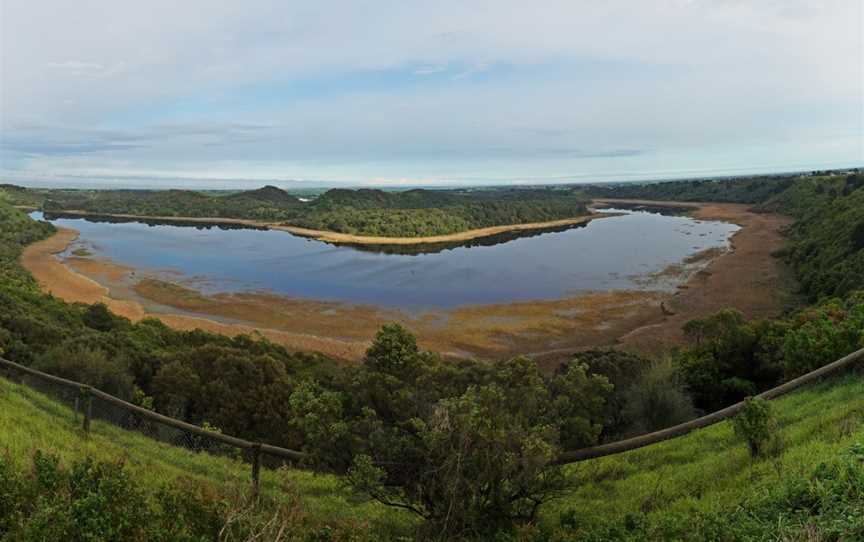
(99, 501)
(756, 425)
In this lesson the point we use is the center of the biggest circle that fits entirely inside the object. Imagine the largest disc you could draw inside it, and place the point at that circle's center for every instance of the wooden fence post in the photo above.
(256, 470)
(87, 407)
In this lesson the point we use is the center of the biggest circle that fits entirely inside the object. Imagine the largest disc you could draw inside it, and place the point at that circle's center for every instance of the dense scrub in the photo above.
(410, 213)
(827, 239)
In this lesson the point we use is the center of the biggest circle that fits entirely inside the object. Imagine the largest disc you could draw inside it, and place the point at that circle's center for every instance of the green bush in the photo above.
(89, 501)
(756, 425)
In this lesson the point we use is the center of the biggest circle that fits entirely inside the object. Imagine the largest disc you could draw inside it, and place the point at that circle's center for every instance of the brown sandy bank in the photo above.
(747, 278)
(347, 238)
(61, 281)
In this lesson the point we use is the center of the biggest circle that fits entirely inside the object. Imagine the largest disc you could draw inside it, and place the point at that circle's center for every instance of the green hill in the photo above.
(268, 194)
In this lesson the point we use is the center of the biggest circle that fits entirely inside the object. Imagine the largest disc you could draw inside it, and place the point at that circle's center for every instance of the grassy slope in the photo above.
(30, 421)
(710, 470)
(706, 471)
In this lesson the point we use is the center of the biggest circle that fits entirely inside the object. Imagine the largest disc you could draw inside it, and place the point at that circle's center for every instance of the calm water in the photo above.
(611, 253)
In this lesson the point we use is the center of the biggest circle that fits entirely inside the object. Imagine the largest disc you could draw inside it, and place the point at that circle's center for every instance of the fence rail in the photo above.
(256, 449)
(86, 393)
(709, 419)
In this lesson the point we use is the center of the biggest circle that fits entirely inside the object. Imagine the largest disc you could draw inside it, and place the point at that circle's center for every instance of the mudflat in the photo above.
(747, 278)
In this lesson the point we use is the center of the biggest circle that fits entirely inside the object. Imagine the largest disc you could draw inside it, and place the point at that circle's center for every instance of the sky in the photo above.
(213, 93)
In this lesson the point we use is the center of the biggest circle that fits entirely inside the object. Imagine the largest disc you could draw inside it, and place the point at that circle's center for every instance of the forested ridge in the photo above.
(409, 213)
(469, 447)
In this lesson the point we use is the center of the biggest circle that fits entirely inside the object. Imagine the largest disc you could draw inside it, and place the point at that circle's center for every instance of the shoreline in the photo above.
(745, 277)
(347, 238)
(60, 280)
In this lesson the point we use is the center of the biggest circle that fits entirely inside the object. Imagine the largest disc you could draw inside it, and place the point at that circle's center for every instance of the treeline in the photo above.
(739, 190)
(409, 213)
(268, 203)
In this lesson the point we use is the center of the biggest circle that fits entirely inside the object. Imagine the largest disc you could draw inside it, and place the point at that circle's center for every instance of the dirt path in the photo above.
(346, 238)
(747, 278)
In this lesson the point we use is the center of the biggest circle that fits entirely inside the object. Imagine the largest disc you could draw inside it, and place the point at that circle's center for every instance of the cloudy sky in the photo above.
(212, 92)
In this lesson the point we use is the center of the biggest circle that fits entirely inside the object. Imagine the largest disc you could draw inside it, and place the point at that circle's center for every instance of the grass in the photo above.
(707, 471)
(31, 421)
(710, 470)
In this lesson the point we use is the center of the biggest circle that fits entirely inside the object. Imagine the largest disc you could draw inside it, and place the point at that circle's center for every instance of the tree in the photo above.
(467, 448)
(98, 317)
(394, 351)
(482, 465)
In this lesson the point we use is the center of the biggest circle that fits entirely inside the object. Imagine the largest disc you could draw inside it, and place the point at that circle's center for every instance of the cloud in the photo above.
(450, 89)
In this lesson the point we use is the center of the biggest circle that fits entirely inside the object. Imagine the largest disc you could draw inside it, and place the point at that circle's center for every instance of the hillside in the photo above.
(31, 422)
(691, 488)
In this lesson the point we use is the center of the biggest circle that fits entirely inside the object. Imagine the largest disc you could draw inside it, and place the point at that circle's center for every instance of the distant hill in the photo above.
(268, 194)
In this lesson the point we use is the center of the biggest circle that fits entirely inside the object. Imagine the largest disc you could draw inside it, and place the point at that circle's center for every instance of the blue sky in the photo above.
(224, 93)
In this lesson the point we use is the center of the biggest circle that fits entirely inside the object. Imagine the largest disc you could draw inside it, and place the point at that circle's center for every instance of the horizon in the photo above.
(211, 95)
(301, 185)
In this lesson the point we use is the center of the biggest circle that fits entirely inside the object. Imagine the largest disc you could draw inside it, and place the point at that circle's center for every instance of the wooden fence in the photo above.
(256, 449)
(87, 393)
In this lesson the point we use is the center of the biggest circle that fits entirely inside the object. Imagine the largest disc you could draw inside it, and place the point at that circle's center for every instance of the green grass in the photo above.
(30, 421)
(710, 470)
(704, 472)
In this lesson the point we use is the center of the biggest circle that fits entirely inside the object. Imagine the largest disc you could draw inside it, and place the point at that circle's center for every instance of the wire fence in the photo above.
(90, 403)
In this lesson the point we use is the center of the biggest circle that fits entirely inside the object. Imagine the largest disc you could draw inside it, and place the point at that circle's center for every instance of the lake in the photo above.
(620, 252)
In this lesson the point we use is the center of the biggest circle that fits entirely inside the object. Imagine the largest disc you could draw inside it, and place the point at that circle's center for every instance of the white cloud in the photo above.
(162, 86)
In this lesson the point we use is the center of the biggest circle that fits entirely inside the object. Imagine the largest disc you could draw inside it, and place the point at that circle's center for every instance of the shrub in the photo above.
(656, 399)
(756, 425)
